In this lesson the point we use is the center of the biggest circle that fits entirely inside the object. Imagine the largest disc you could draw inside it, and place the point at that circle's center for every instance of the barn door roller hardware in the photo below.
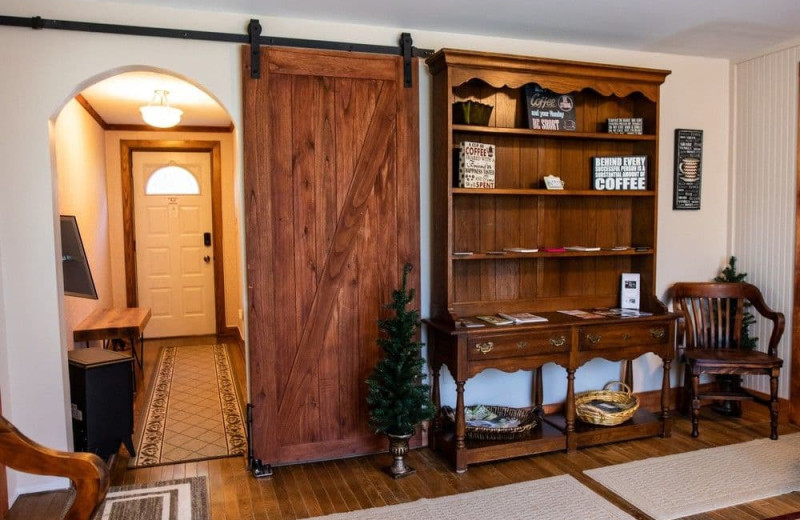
(254, 31)
(253, 37)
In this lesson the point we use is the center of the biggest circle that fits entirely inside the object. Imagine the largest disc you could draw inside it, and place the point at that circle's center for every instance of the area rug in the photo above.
(713, 478)
(193, 411)
(553, 498)
(184, 499)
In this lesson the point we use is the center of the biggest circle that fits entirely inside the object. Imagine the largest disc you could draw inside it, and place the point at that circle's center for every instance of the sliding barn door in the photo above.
(331, 151)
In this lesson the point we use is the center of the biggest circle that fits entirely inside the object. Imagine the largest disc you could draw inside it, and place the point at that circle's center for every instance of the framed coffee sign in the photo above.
(688, 168)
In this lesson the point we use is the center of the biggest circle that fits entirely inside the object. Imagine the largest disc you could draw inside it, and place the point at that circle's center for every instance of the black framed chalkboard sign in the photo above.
(688, 168)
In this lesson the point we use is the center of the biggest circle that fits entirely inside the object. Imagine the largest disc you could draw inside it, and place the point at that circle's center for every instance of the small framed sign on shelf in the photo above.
(548, 110)
(552, 182)
(688, 168)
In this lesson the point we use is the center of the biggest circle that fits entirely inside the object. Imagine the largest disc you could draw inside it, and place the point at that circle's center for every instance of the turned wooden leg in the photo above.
(627, 373)
(569, 411)
(436, 427)
(461, 429)
(695, 403)
(538, 390)
(773, 405)
(666, 427)
(685, 395)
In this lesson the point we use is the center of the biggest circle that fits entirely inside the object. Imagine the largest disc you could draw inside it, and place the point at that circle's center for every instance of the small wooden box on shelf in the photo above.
(474, 273)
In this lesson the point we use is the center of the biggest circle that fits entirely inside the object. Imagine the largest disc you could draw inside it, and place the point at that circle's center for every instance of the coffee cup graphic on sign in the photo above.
(689, 168)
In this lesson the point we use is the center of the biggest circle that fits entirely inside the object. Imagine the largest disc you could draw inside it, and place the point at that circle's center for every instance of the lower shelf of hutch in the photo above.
(542, 439)
(551, 436)
(642, 424)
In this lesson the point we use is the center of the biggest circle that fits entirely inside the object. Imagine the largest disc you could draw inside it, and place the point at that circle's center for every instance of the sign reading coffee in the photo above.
(627, 172)
(475, 165)
(548, 110)
(688, 168)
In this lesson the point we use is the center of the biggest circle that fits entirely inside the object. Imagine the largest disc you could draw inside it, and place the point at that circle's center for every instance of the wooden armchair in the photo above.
(712, 315)
(88, 473)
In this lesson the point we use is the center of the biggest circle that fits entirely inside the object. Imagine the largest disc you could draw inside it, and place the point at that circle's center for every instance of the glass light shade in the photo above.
(158, 113)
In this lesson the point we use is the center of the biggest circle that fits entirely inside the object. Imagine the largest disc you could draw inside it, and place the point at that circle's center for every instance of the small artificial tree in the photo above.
(397, 398)
(729, 274)
(732, 382)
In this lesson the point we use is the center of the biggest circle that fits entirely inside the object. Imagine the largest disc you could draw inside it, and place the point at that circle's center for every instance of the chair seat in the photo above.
(710, 358)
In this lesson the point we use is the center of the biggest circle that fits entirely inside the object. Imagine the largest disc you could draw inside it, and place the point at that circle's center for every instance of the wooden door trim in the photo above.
(127, 148)
(794, 369)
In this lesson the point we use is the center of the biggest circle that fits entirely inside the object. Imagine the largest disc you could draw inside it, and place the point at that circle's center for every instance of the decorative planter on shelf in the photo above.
(398, 447)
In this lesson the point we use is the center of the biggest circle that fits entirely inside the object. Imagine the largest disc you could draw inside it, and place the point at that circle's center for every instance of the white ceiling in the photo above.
(729, 29)
(118, 98)
(711, 28)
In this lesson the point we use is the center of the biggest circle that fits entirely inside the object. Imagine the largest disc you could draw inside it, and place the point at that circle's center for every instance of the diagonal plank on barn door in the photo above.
(332, 208)
(374, 157)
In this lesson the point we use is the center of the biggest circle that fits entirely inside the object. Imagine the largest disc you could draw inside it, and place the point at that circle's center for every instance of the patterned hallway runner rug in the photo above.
(193, 412)
(694, 482)
(184, 499)
(552, 498)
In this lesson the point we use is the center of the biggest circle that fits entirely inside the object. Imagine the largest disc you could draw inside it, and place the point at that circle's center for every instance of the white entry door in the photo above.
(174, 248)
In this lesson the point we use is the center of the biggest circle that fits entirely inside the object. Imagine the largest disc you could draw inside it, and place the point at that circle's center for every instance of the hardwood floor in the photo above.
(306, 490)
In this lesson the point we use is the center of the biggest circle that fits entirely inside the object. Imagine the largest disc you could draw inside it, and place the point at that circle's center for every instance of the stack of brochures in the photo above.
(495, 320)
(522, 317)
(521, 249)
(582, 248)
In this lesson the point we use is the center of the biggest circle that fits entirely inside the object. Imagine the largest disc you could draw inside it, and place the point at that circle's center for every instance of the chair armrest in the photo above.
(88, 473)
(755, 297)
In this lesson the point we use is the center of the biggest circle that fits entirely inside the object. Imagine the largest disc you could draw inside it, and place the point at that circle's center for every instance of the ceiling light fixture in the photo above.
(158, 113)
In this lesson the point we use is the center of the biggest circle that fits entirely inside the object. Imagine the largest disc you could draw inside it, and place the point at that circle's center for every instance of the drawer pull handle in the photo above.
(657, 333)
(483, 348)
(626, 336)
(558, 342)
(522, 344)
(594, 339)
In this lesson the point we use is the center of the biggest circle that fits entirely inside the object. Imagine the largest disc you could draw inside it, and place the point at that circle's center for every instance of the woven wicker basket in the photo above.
(621, 405)
(528, 420)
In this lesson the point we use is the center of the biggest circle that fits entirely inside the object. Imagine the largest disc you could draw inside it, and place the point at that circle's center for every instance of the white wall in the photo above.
(764, 192)
(43, 69)
(80, 162)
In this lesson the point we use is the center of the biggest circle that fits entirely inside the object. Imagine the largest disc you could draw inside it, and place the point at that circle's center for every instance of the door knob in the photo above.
(206, 259)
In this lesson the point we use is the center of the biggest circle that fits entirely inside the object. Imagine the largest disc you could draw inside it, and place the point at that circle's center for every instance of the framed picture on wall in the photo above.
(688, 168)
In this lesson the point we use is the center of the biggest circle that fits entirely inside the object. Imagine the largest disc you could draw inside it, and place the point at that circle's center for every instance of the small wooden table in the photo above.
(109, 324)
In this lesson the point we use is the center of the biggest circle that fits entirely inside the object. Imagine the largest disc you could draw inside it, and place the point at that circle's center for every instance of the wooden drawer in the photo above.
(622, 335)
(521, 344)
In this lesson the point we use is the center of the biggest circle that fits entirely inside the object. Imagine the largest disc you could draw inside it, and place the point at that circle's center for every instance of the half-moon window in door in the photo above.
(172, 180)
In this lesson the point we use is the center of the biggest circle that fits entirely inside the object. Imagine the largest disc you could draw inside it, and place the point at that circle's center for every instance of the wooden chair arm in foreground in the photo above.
(89, 474)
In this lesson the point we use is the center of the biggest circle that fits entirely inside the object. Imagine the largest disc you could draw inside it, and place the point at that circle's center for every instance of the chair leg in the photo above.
(773, 405)
(695, 404)
(685, 394)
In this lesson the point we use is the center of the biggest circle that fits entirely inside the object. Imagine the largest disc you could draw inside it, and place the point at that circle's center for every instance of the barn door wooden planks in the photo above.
(331, 162)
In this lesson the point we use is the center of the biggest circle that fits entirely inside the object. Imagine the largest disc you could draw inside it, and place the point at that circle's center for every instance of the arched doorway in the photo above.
(105, 135)
(94, 138)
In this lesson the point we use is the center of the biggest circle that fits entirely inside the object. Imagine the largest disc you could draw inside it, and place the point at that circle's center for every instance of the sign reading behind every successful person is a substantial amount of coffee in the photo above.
(619, 173)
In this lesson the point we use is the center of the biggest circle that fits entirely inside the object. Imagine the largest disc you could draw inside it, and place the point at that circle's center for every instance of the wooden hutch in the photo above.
(472, 274)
